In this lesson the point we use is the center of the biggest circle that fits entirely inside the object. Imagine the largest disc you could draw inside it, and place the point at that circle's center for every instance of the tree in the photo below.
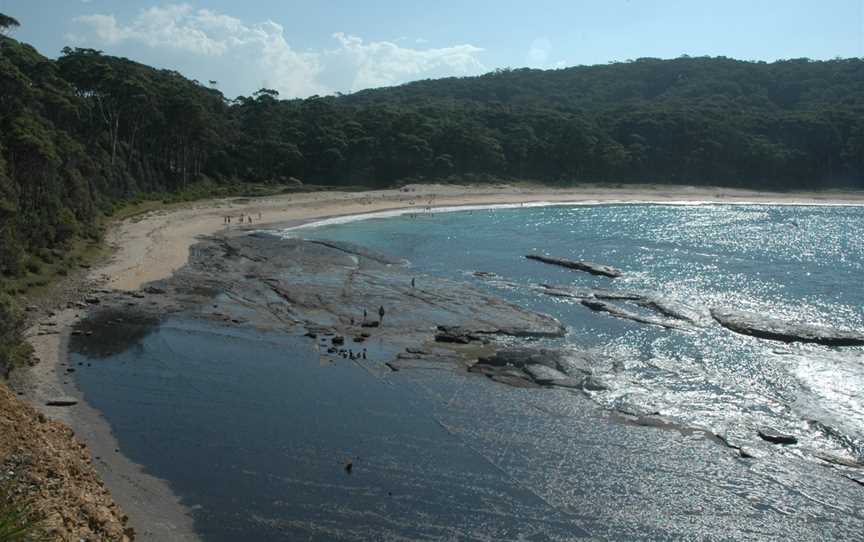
(7, 24)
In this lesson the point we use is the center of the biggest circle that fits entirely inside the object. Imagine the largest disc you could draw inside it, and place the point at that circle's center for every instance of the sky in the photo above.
(302, 48)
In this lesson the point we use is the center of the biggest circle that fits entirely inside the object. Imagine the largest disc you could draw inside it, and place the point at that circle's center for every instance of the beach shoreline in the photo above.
(155, 245)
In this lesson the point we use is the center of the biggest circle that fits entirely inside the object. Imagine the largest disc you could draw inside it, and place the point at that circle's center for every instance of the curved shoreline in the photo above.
(154, 246)
(346, 219)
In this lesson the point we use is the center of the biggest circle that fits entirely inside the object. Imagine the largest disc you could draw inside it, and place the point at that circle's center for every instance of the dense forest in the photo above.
(86, 132)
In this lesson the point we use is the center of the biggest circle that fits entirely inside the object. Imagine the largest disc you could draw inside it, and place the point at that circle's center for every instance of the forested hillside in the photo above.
(82, 133)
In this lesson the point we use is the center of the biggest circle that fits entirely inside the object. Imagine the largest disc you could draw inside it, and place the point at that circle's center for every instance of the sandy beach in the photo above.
(153, 246)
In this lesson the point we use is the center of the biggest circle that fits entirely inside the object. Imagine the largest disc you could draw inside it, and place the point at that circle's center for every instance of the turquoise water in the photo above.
(793, 262)
(253, 431)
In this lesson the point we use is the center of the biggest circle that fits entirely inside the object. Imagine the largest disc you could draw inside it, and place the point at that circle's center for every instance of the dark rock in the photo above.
(620, 312)
(776, 437)
(407, 355)
(746, 453)
(651, 301)
(589, 267)
(839, 460)
(669, 308)
(371, 323)
(517, 381)
(541, 374)
(520, 357)
(62, 401)
(311, 335)
(592, 383)
(767, 327)
(93, 300)
(543, 367)
(338, 340)
(455, 334)
(154, 290)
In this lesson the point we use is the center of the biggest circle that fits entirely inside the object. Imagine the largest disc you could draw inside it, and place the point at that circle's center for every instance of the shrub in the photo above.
(33, 265)
(16, 520)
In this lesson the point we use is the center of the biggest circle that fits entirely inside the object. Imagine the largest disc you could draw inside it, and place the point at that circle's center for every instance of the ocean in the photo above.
(253, 431)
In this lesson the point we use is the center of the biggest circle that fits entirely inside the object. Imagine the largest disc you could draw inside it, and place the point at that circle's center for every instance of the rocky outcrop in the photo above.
(482, 333)
(766, 327)
(619, 312)
(542, 367)
(352, 291)
(597, 299)
(456, 335)
(588, 267)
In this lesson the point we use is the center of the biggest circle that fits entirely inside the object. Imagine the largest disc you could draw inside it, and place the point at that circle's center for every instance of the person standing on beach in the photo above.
(381, 315)
(412, 282)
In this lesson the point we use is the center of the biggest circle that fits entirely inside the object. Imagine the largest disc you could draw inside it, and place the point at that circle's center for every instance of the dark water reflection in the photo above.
(253, 431)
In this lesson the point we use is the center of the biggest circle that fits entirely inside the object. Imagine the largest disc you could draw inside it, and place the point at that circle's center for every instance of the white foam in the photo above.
(345, 219)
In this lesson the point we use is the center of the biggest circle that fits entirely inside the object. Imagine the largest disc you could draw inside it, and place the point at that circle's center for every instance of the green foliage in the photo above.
(11, 327)
(7, 23)
(88, 134)
(16, 520)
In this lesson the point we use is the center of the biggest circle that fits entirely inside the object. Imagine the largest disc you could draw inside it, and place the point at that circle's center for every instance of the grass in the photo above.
(45, 268)
(16, 521)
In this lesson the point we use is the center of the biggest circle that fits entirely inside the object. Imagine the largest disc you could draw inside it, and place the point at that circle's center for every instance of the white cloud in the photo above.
(381, 63)
(538, 53)
(261, 53)
(173, 27)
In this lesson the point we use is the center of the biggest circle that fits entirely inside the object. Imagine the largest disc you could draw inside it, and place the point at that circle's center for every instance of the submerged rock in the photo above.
(592, 383)
(649, 300)
(588, 267)
(62, 401)
(767, 327)
(620, 312)
(776, 437)
(542, 367)
(543, 374)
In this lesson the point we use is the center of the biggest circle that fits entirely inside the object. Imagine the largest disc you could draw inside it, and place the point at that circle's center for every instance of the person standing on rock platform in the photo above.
(381, 315)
